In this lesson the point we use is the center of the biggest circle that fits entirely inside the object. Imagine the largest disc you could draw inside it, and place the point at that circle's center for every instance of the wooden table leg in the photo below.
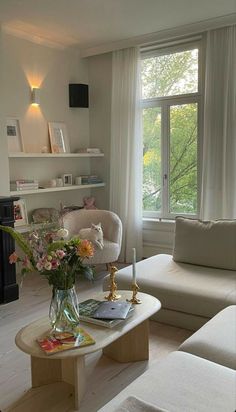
(131, 347)
(73, 372)
(70, 370)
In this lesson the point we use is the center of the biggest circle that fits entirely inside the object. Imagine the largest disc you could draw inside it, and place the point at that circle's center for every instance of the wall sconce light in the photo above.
(35, 96)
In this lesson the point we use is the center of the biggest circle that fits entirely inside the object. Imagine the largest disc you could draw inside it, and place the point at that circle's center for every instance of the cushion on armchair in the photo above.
(205, 243)
(112, 229)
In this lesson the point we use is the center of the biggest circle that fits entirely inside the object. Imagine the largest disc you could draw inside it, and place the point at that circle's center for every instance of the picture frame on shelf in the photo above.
(20, 213)
(14, 139)
(67, 179)
(58, 137)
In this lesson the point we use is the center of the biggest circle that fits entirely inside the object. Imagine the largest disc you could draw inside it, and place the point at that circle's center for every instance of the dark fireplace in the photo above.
(8, 287)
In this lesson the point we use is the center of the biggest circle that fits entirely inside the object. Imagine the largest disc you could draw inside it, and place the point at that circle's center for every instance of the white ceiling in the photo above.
(90, 23)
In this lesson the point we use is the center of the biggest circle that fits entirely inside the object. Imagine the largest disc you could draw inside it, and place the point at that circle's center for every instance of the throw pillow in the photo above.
(205, 243)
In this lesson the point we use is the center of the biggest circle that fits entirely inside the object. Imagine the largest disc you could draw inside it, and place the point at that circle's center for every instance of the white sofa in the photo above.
(198, 281)
(200, 377)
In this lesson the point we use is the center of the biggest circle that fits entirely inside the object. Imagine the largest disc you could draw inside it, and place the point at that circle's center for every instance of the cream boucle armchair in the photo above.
(112, 232)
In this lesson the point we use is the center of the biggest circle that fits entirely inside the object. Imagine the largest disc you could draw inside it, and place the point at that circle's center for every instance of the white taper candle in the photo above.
(134, 265)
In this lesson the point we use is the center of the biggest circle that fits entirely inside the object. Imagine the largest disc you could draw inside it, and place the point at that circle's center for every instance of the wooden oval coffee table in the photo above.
(127, 342)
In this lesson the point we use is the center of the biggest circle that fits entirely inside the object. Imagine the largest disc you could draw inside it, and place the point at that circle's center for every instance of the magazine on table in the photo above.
(90, 306)
(60, 341)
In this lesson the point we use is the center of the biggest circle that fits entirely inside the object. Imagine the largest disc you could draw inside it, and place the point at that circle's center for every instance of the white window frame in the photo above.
(165, 103)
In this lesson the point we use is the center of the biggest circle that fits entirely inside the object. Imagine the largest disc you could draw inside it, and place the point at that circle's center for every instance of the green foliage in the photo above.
(20, 240)
(152, 158)
(59, 261)
(183, 158)
(168, 75)
(87, 272)
(59, 244)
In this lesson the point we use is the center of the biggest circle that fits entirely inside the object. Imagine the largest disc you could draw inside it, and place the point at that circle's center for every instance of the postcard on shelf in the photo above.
(89, 307)
(20, 213)
(14, 138)
(61, 341)
(58, 137)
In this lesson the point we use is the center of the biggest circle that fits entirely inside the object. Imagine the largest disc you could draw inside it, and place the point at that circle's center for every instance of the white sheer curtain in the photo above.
(218, 199)
(126, 150)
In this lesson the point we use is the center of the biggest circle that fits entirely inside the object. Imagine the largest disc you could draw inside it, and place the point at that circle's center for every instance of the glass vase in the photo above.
(64, 310)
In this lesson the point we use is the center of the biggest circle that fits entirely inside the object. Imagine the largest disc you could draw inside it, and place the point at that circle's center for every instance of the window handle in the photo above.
(164, 178)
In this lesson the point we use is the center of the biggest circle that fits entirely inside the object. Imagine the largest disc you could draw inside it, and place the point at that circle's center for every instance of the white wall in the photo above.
(23, 65)
(100, 78)
(4, 169)
(26, 64)
(158, 237)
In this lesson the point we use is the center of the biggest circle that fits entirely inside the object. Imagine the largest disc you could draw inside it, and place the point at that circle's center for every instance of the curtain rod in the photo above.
(176, 42)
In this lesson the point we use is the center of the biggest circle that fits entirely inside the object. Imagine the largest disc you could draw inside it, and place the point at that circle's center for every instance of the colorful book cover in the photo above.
(58, 342)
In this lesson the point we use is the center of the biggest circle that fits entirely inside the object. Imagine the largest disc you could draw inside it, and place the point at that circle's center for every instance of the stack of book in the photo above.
(99, 312)
(89, 180)
(24, 184)
(94, 150)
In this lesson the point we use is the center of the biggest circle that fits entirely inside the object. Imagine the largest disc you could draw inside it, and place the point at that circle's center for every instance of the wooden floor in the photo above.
(105, 378)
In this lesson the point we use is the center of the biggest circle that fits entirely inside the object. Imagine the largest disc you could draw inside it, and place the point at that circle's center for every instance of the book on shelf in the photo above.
(24, 187)
(89, 307)
(89, 150)
(91, 182)
(22, 181)
(61, 341)
(90, 179)
(24, 184)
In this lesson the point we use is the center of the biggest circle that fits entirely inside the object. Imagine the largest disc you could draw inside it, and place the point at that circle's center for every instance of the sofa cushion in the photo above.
(216, 340)
(182, 383)
(106, 255)
(182, 287)
(210, 243)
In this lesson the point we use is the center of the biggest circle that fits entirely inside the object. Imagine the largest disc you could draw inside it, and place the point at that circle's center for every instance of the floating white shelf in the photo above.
(55, 189)
(27, 228)
(53, 155)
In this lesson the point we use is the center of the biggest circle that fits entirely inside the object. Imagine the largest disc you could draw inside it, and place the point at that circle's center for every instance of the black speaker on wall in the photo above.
(78, 95)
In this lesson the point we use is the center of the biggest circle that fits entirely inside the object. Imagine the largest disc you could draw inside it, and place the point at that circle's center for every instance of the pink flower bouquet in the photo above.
(54, 257)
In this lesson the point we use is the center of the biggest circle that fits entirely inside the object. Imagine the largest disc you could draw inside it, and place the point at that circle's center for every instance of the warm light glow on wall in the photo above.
(34, 79)
(35, 96)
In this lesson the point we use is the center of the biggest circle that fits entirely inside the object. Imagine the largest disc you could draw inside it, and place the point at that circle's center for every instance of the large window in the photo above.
(171, 106)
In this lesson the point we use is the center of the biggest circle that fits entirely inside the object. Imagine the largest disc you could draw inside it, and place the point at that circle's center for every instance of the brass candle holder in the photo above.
(135, 288)
(113, 286)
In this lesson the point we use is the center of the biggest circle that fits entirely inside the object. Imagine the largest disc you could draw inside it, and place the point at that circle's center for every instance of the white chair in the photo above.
(112, 232)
